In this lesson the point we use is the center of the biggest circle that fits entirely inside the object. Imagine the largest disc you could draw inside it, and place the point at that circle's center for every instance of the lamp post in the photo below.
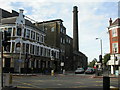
(101, 50)
(115, 50)
(100, 43)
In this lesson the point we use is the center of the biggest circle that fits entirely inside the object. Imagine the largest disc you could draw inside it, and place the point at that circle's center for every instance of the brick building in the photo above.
(114, 37)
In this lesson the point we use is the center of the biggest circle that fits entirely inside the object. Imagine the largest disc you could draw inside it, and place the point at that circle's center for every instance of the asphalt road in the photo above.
(61, 81)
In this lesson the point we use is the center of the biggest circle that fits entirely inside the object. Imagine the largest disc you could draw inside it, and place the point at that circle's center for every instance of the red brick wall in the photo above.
(114, 40)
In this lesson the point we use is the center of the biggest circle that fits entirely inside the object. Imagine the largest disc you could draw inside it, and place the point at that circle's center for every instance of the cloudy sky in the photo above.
(93, 19)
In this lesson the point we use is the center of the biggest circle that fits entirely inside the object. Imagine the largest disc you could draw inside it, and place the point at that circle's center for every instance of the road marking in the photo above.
(98, 81)
(78, 86)
(79, 82)
(98, 85)
(59, 84)
(23, 87)
(28, 84)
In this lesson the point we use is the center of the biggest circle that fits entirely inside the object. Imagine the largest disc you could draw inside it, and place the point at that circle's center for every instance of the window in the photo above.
(28, 33)
(52, 29)
(37, 37)
(23, 48)
(33, 49)
(27, 48)
(115, 47)
(34, 35)
(24, 32)
(45, 51)
(61, 40)
(61, 30)
(114, 32)
(14, 31)
(9, 31)
(19, 31)
(18, 45)
(31, 34)
(69, 40)
(42, 38)
(48, 52)
(41, 51)
(37, 50)
(7, 47)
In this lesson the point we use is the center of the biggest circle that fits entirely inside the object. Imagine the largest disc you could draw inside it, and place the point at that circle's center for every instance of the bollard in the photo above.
(64, 71)
(106, 83)
(10, 80)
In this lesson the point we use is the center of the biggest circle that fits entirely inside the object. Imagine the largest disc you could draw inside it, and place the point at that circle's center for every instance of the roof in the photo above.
(12, 20)
(50, 21)
(78, 53)
(116, 22)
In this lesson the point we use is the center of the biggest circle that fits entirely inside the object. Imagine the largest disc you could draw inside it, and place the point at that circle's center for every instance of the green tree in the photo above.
(106, 58)
(91, 64)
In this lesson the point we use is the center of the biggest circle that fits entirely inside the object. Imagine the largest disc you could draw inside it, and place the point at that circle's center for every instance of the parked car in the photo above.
(90, 71)
(79, 71)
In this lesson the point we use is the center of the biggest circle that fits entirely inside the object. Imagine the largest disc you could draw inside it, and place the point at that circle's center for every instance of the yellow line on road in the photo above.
(99, 81)
(79, 86)
(28, 84)
(23, 87)
(98, 85)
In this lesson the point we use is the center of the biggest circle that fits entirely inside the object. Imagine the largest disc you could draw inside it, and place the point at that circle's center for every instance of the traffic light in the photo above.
(6, 38)
(100, 58)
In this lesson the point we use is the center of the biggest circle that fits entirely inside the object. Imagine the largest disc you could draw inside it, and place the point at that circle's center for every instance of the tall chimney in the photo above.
(75, 29)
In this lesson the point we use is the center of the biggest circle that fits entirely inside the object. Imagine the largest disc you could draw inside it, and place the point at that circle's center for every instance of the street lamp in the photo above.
(115, 50)
(100, 57)
(100, 43)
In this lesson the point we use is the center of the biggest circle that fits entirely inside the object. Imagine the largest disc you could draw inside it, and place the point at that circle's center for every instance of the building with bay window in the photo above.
(114, 37)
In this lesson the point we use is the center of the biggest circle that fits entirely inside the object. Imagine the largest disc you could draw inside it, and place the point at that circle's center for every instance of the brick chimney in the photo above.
(110, 22)
(75, 29)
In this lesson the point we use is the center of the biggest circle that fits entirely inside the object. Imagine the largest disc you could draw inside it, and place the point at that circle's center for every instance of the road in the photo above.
(61, 81)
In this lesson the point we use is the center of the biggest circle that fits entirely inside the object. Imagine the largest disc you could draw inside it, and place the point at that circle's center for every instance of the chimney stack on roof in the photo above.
(21, 10)
(110, 22)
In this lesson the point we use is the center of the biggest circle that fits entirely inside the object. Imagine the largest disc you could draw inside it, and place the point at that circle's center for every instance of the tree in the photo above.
(106, 58)
(91, 64)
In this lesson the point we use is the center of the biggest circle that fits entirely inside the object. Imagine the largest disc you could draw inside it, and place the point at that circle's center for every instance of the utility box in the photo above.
(7, 79)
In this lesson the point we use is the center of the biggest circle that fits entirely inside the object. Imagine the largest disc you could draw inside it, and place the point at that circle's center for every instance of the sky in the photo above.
(93, 19)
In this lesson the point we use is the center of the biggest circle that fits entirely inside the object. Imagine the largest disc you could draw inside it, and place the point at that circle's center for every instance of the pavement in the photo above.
(15, 88)
(90, 76)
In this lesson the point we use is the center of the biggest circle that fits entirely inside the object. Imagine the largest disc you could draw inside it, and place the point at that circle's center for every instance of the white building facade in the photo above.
(26, 49)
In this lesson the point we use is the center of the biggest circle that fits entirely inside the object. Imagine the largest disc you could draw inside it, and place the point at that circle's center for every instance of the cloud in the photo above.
(93, 18)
